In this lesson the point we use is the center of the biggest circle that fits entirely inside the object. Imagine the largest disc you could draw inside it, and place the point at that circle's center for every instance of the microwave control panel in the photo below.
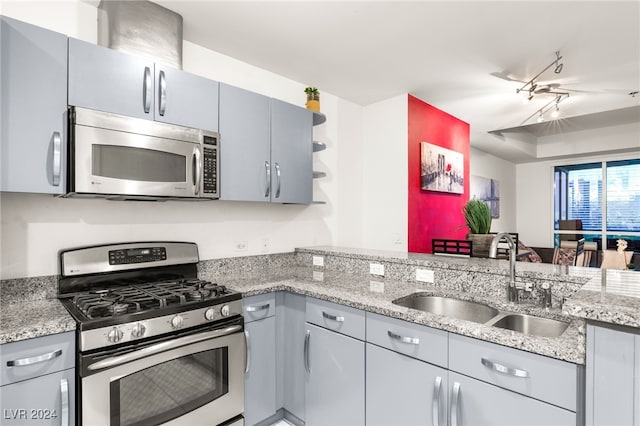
(210, 166)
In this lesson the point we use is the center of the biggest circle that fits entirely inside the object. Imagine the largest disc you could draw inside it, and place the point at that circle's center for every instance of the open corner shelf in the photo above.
(318, 118)
(317, 175)
(319, 146)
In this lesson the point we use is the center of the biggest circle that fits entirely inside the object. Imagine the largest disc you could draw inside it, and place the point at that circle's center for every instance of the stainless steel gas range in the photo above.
(155, 344)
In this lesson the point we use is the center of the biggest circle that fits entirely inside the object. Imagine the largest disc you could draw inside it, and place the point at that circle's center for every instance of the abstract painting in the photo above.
(441, 169)
(487, 190)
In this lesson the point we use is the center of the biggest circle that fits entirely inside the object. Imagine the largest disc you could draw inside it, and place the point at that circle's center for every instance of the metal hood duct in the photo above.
(141, 28)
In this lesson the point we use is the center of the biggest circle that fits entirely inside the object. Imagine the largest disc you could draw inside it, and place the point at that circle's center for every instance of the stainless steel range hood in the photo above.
(141, 28)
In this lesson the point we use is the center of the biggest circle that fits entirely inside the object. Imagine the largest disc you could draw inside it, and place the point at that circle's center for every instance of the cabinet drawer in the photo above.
(414, 340)
(259, 307)
(343, 319)
(540, 377)
(36, 357)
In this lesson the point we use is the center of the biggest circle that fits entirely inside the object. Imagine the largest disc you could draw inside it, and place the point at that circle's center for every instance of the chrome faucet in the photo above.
(512, 291)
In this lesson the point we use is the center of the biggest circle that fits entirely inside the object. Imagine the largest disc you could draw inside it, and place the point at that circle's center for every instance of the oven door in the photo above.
(195, 379)
(111, 162)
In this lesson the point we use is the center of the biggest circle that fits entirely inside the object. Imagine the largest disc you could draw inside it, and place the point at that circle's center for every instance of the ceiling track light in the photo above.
(551, 105)
(531, 85)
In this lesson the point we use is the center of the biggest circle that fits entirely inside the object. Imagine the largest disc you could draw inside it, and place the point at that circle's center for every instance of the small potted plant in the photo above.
(477, 217)
(313, 98)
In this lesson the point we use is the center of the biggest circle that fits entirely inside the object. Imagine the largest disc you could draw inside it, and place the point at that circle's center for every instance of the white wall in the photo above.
(383, 158)
(35, 227)
(489, 166)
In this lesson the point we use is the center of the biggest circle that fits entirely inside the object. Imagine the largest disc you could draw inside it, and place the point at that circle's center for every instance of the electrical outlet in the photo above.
(376, 269)
(265, 245)
(241, 245)
(318, 261)
(424, 275)
(376, 286)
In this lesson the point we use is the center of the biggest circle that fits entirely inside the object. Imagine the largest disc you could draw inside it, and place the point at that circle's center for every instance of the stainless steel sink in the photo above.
(455, 308)
(528, 324)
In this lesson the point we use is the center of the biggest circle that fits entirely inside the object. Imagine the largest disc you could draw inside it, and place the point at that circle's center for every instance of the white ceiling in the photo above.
(444, 52)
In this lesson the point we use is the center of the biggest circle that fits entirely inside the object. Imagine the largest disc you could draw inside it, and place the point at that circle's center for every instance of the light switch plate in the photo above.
(424, 275)
(318, 260)
(376, 269)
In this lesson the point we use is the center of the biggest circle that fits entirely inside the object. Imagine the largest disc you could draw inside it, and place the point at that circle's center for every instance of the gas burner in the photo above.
(197, 294)
(118, 308)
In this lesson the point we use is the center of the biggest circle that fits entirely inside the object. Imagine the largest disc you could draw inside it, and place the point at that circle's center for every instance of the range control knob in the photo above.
(138, 330)
(210, 314)
(176, 322)
(114, 335)
(225, 311)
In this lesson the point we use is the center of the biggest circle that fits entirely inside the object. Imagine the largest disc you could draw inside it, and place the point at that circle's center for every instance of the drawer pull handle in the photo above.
(504, 369)
(435, 409)
(258, 308)
(332, 317)
(403, 339)
(34, 360)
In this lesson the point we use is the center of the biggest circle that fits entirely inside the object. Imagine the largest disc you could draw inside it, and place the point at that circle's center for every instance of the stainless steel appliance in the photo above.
(155, 344)
(118, 157)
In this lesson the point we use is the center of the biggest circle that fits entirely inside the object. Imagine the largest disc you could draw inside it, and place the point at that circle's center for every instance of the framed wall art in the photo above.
(441, 169)
(487, 190)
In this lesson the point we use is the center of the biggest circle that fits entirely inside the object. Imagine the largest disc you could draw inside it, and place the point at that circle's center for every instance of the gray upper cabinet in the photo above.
(109, 80)
(291, 153)
(33, 99)
(613, 376)
(244, 145)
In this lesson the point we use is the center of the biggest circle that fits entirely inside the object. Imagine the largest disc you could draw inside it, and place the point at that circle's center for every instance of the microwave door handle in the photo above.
(162, 88)
(197, 170)
(147, 87)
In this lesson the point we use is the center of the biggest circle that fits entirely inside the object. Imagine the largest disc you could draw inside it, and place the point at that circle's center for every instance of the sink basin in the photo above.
(528, 324)
(447, 306)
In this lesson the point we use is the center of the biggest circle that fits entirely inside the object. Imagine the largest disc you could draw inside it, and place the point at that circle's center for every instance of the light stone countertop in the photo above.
(376, 295)
(33, 318)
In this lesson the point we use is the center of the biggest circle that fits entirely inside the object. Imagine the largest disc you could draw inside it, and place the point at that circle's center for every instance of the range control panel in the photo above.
(137, 255)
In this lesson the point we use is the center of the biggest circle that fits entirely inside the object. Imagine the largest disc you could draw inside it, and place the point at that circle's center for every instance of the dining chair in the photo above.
(570, 256)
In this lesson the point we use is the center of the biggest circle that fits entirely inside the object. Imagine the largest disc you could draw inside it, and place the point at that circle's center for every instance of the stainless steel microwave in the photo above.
(123, 158)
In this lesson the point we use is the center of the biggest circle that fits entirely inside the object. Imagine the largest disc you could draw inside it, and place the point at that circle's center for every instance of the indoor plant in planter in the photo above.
(477, 216)
(313, 98)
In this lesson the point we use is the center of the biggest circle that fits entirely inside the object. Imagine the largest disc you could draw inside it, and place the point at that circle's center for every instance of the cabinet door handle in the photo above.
(333, 317)
(258, 308)
(162, 88)
(64, 402)
(34, 360)
(435, 408)
(57, 158)
(277, 180)
(267, 174)
(307, 337)
(147, 88)
(504, 369)
(197, 170)
(454, 403)
(247, 352)
(403, 339)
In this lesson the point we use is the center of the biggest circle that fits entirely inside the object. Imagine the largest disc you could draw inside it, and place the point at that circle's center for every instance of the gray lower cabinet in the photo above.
(401, 390)
(33, 108)
(290, 335)
(476, 403)
(335, 379)
(38, 381)
(613, 376)
(260, 375)
(245, 162)
(291, 153)
(112, 81)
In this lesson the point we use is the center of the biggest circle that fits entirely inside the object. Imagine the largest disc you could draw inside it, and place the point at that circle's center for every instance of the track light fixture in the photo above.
(531, 85)
(552, 106)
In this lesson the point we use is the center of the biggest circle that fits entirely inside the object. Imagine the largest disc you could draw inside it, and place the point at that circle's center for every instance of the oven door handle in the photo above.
(163, 347)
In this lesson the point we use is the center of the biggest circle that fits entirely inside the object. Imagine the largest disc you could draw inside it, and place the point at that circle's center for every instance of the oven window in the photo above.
(168, 390)
(138, 164)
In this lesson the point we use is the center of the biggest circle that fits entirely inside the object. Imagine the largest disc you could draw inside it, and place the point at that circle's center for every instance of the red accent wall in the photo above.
(434, 214)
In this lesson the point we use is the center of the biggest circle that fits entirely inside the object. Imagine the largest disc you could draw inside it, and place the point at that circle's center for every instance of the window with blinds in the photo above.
(604, 197)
